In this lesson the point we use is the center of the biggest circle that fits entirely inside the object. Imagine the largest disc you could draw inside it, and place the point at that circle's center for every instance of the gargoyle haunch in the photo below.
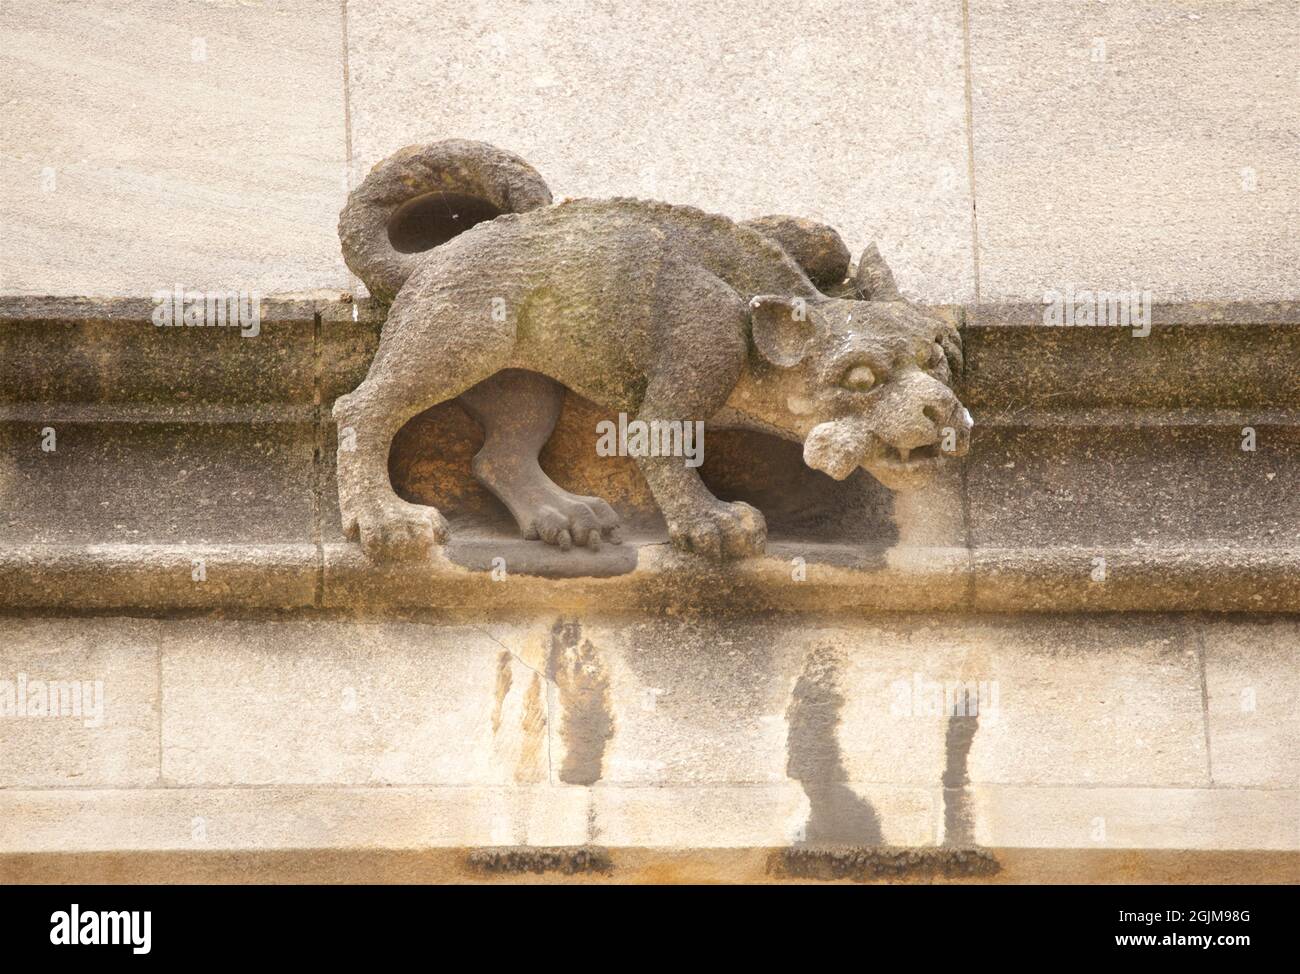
(662, 312)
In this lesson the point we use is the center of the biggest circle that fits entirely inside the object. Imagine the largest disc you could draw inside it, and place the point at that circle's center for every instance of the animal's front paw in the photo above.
(720, 532)
(569, 519)
(398, 531)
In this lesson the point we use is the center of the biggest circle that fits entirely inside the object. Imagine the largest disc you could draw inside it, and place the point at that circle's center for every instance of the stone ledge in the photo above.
(1199, 357)
(67, 309)
(1119, 418)
(1212, 579)
(210, 447)
(1029, 314)
(653, 866)
(1013, 359)
(649, 578)
(123, 576)
(70, 820)
(163, 414)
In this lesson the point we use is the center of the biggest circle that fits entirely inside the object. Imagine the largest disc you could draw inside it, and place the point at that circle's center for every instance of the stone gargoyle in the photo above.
(661, 312)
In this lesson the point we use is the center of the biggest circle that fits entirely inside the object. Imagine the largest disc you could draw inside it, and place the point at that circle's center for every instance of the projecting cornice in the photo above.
(1108, 472)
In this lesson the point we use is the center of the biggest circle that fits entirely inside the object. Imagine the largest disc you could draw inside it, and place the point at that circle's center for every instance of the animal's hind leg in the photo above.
(401, 384)
(518, 411)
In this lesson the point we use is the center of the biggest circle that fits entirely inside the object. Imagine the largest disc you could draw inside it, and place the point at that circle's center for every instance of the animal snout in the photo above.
(928, 413)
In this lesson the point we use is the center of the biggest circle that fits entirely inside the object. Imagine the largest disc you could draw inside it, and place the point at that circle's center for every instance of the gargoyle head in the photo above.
(867, 383)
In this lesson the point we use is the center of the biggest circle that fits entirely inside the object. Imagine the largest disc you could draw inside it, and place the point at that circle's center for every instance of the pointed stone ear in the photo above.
(874, 280)
(781, 327)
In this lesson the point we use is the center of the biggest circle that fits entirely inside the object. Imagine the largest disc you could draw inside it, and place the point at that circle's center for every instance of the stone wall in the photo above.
(994, 149)
(636, 702)
(1109, 572)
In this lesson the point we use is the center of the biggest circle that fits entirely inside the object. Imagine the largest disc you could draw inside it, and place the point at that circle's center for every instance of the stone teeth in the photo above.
(904, 453)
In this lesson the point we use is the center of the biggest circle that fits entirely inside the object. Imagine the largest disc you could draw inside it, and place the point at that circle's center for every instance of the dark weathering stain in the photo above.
(579, 675)
(838, 815)
(881, 863)
(514, 860)
(958, 819)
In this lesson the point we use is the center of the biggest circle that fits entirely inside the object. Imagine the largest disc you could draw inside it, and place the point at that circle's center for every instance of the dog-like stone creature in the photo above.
(664, 313)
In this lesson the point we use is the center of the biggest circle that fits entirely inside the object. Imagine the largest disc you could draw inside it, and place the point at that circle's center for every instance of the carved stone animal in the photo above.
(662, 312)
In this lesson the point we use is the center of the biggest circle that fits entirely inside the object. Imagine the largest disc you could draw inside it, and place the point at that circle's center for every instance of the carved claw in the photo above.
(570, 520)
(727, 531)
(398, 531)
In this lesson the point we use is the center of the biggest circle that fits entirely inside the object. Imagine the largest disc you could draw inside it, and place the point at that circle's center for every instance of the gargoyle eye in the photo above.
(858, 379)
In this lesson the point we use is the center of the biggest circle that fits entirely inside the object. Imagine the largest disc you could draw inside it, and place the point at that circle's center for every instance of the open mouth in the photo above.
(916, 458)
